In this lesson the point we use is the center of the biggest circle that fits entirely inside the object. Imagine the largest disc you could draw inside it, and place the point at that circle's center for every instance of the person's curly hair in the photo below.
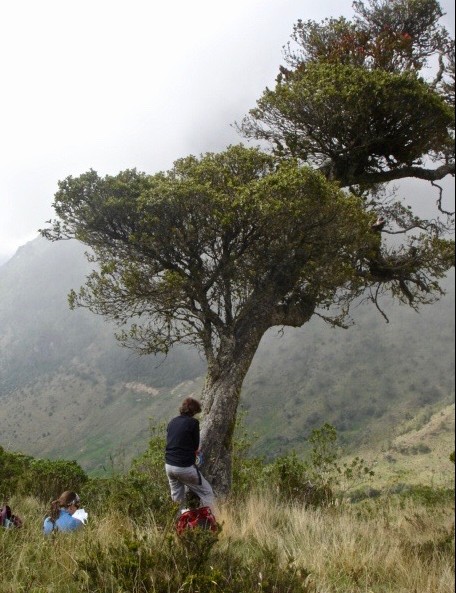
(190, 407)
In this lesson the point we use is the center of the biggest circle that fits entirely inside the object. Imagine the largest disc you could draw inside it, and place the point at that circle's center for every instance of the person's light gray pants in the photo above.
(180, 478)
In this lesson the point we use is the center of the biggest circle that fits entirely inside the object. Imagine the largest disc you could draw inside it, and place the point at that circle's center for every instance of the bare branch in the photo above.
(402, 173)
(440, 198)
(374, 299)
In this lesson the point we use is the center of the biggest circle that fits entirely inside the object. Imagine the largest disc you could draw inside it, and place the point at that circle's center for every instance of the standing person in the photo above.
(61, 514)
(182, 446)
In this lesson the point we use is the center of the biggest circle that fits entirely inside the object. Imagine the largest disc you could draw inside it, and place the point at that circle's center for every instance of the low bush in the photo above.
(158, 563)
(133, 495)
(44, 479)
(424, 494)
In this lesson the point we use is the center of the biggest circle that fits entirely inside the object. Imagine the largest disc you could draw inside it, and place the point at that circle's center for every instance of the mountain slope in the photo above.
(365, 380)
(63, 377)
(68, 390)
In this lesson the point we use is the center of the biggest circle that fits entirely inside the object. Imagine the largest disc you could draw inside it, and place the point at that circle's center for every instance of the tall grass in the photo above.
(385, 548)
(386, 545)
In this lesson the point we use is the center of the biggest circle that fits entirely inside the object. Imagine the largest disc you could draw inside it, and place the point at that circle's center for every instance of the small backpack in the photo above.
(201, 517)
(7, 519)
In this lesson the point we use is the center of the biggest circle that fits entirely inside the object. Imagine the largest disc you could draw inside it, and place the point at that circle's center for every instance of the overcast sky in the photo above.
(111, 85)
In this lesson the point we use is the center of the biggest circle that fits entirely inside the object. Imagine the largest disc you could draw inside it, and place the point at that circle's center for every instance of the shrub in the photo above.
(143, 488)
(289, 477)
(41, 478)
(193, 564)
(12, 468)
(46, 479)
(143, 563)
(133, 495)
(247, 470)
(426, 495)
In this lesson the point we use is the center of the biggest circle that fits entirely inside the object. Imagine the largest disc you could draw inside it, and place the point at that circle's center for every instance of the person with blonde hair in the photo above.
(61, 514)
(182, 448)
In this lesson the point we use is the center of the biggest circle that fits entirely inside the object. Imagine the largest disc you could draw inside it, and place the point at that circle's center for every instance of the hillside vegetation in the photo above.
(67, 389)
(276, 533)
(264, 546)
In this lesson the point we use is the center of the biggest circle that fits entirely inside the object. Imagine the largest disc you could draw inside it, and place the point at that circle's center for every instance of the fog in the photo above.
(109, 86)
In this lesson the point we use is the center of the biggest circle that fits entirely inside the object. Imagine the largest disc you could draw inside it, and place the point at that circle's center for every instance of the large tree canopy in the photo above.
(353, 100)
(203, 250)
(218, 250)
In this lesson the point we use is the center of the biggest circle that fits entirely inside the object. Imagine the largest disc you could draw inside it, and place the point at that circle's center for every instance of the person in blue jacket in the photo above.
(60, 517)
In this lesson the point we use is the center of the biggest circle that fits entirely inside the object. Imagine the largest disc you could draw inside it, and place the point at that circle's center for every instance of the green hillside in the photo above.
(68, 390)
(365, 380)
(66, 387)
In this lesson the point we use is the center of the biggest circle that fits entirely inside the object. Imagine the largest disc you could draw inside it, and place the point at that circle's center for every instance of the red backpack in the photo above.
(201, 517)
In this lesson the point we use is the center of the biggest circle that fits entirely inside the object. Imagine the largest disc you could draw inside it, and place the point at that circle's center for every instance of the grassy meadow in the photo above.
(324, 524)
(395, 543)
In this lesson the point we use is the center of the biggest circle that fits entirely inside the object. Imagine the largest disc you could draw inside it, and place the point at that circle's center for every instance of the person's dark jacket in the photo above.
(182, 441)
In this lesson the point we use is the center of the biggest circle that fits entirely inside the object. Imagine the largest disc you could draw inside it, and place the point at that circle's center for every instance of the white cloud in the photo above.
(109, 84)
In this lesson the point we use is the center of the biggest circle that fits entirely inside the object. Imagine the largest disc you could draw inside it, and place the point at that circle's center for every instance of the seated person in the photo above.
(8, 519)
(61, 514)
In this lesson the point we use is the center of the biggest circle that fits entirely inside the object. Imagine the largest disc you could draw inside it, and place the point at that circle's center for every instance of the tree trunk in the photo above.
(227, 371)
(221, 396)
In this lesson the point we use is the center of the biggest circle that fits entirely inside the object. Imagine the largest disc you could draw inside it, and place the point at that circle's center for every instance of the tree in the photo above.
(221, 248)
(352, 100)
(218, 250)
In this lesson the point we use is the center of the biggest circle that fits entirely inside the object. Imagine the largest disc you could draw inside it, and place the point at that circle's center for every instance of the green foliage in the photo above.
(262, 571)
(196, 545)
(122, 567)
(348, 106)
(310, 481)
(136, 564)
(247, 468)
(12, 467)
(193, 565)
(290, 478)
(324, 466)
(143, 488)
(132, 496)
(324, 448)
(42, 478)
(150, 463)
(353, 106)
(394, 36)
(46, 479)
(423, 494)
(197, 206)
(418, 449)
(353, 102)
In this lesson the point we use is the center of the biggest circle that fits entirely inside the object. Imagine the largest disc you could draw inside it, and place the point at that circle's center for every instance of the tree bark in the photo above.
(227, 371)
(221, 395)
(403, 172)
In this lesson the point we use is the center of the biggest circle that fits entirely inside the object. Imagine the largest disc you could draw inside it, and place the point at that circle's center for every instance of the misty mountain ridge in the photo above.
(69, 390)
